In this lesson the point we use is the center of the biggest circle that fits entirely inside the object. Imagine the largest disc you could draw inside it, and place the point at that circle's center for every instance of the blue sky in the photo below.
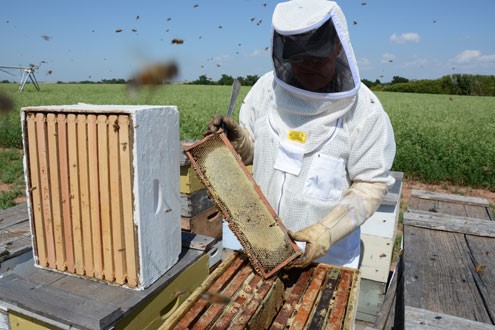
(414, 39)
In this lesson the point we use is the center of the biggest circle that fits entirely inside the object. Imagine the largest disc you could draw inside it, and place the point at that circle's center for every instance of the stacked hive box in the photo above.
(103, 190)
(199, 215)
(235, 297)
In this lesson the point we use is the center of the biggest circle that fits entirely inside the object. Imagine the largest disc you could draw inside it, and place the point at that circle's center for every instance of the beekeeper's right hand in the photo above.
(237, 135)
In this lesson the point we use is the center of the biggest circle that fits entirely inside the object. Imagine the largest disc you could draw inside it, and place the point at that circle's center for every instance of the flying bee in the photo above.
(6, 103)
(215, 298)
(118, 30)
(177, 41)
(153, 75)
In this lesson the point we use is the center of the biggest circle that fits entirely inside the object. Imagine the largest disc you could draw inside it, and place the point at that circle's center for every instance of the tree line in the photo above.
(455, 84)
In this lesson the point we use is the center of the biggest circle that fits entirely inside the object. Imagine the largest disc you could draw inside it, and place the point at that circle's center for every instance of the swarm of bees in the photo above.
(152, 75)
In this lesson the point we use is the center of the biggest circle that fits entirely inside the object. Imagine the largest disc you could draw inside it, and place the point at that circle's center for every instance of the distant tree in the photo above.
(225, 80)
(251, 80)
(398, 79)
(367, 82)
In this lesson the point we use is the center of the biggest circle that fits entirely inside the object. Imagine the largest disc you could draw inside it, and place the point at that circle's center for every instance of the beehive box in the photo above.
(103, 190)
(234, 297)
(249, 215)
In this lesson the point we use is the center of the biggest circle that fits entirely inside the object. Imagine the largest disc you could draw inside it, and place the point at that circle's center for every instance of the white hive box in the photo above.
(103, 190)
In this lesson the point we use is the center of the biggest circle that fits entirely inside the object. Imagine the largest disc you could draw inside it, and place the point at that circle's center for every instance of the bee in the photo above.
(480, 268)
(216, 298)
(116, 126)
(45, 37)
(196, 6)
(6, 103)
(49, 72)
(177, 41)
(134, 30)
(137, 17)
(118, 30)
(153, 75)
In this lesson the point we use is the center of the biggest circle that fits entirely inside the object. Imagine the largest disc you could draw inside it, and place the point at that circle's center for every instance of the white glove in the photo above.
(360, 201)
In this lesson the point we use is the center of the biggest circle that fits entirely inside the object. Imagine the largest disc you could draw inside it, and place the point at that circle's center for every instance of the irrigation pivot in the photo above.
(27, 73)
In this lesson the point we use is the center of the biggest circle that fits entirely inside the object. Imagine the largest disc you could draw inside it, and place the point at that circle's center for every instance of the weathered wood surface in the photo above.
(15, 234)
(449, 264)
(390, 310)
(423, 319)
(460, 206)
(79, 302)
(449, 223)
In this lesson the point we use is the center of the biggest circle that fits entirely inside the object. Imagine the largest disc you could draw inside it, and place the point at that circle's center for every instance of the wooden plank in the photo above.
(437, 270)
(189, 316)
(245, 283)
(13, 215)
(480, 212)
(446, 223)
(59, 305)
(268, 307)
(118, 243)
(451, 208)
(58, 229)
(192, 299)
(292, 299)
(94, 190)
(45, 187)
(423, 194)
(322, 310)
(35, 191)
(483, 271)
(104, 180)
(241, 321)
(417, 318)
(87, 244)
(386, 314)
(197, 241)
(310, 296)
(65, 192)
(130, 235)
(422, 204)
(337, 314)
(73, 146)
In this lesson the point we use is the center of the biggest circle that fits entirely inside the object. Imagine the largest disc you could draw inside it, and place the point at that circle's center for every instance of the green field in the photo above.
(440, 138)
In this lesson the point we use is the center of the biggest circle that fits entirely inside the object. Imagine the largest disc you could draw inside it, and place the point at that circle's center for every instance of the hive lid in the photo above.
(246, 210)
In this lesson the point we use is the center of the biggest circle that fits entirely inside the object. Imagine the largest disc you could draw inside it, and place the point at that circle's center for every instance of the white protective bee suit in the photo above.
(322, 158)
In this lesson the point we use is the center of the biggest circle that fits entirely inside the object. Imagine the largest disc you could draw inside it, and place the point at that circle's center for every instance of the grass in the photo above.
(11, 177)
(440, 138)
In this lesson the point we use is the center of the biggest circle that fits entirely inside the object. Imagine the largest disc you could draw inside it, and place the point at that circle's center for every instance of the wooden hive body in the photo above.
(103, 190)
(234, 297)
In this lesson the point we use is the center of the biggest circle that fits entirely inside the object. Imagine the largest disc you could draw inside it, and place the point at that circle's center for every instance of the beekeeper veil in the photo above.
(311, 51)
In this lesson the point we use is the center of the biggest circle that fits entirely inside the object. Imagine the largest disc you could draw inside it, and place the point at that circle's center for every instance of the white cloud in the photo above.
(405, 38)
(387, 57)
(473, 56)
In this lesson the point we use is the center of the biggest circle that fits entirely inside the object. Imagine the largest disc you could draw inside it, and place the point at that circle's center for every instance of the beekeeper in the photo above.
(320, 142)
